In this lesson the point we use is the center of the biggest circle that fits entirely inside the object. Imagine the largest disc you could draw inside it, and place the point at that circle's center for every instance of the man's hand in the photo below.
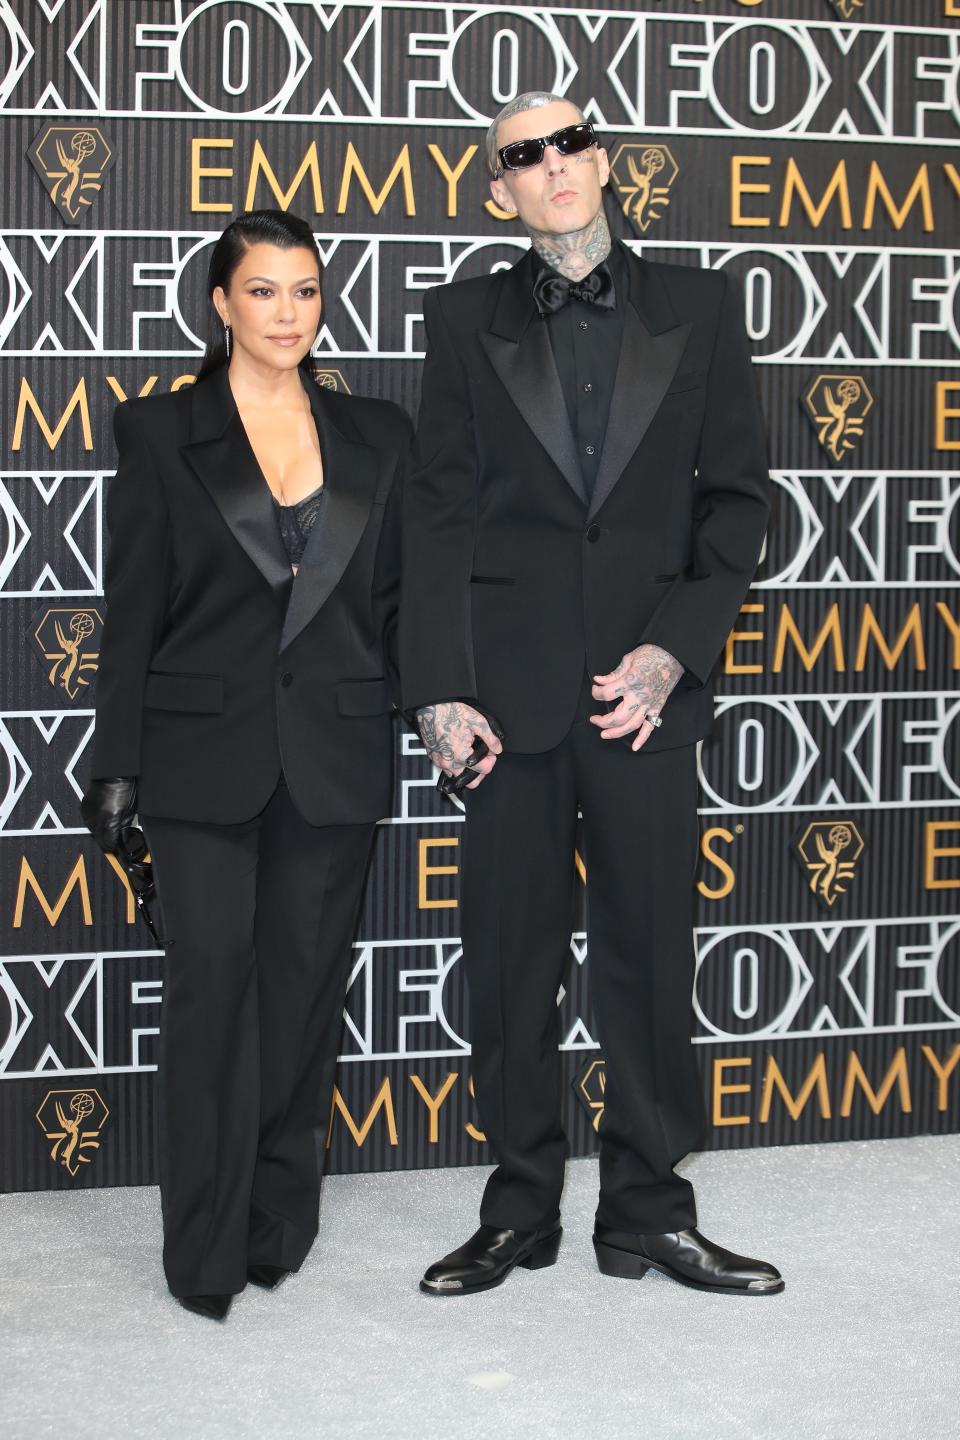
(642, 682)
(449, 732)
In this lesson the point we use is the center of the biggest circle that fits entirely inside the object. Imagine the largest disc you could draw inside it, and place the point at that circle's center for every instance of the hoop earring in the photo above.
(227, 337)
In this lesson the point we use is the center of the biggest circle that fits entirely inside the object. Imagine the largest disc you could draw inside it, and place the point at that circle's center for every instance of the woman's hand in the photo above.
(108, 808)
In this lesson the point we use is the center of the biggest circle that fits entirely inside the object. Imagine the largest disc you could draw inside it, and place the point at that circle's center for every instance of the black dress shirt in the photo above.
(585, 340)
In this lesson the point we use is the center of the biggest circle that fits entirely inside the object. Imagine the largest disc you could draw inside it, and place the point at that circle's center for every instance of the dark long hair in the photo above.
(257, 227)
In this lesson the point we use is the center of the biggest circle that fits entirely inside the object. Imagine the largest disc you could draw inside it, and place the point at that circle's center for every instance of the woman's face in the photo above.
(272, 305)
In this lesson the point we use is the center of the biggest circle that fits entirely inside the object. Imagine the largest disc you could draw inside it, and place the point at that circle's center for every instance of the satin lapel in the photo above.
(220, 455)
(350, 482)
(518, 347)
(528, 372)
(648, 363)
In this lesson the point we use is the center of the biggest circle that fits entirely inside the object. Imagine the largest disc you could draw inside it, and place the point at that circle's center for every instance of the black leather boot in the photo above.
(686, 1256)
(268, 1277)
(488, 1257)
(214, 1307)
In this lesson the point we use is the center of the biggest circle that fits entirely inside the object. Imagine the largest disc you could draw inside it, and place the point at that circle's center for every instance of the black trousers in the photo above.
(640, 836)
(260, 918)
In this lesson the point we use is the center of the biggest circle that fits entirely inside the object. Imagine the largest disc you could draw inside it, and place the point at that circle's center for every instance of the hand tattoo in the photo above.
(643, 683)
(449, 732)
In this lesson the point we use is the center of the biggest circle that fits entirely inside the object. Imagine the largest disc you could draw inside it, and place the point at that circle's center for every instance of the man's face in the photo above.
(564, 192)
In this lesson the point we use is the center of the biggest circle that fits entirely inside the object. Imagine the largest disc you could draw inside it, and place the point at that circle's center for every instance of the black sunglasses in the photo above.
(521, 154)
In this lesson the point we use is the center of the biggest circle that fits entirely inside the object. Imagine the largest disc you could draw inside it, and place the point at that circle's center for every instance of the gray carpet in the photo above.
(864, 1343)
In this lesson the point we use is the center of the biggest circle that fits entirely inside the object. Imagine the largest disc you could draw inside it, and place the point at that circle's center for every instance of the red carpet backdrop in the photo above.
(811, 147)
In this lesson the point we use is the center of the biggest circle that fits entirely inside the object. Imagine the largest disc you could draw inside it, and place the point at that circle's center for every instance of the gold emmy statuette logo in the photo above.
(838, 406)
(72, 1121)
(590, 1086)
(331, 380)
(72, 160)
(847, 9)
(68, 640)
(830, 850)
(643, 176)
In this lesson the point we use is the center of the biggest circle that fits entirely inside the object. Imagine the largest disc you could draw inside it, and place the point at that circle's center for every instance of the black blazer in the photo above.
(515, 580)
(217, 666)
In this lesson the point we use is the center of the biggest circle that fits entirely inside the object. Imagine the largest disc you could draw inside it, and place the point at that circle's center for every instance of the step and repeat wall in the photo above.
(810, 147)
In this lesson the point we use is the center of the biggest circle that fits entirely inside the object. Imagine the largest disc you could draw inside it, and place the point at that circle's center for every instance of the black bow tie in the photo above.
(552, 291)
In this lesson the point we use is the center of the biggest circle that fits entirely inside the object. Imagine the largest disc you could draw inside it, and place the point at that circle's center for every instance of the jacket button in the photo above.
(286, 679)
(593, 534)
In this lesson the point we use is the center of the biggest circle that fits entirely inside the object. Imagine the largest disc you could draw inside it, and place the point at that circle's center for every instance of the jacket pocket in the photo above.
(692, 380)
(363, 697)
(198, 694)
(492, 580)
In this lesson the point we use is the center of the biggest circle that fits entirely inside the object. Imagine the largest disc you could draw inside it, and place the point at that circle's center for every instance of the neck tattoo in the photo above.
(577, 253)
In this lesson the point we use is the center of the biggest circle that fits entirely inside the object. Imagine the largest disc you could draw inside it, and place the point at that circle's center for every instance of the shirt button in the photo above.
(593, 534)
(589, 449)
(286, 679)
(583, 325)
(587, 388)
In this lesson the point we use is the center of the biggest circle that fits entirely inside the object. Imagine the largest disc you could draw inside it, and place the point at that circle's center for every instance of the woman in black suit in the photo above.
(243, 711)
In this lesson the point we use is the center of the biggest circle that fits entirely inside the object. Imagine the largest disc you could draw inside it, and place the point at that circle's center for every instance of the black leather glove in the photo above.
(108, 808)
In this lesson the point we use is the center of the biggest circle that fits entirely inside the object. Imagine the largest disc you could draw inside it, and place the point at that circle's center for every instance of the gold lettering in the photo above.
(29, 401)
(260, 165)
(726, 870)
(932, 852)
(425, 870)
(452, 177)
(732, 666)
(383, 1100)
(953, 175)
(721, 1087)
(829, 630)
(877, 188)
(896, 1075)
(953, 625)
(121, 394)
(942, 1072)
(837, 185)
(76, 879)
(740, 187)
(433, 1102)
(870, 629)
(472, 1130)
(199, 172)
(353, 165)
(114, 864)
(945, 413)
(816, 1080)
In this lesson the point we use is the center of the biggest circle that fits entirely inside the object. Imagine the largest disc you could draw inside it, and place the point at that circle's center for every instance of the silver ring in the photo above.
(653, 720)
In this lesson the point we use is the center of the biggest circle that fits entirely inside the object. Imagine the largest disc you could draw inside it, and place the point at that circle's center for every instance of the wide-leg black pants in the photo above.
(640, 835)
(260, 918)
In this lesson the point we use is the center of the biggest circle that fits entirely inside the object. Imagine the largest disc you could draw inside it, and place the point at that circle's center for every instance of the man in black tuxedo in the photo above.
(586, 506)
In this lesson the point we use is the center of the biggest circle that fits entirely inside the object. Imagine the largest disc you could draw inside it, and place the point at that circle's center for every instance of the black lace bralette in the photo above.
(296, 522)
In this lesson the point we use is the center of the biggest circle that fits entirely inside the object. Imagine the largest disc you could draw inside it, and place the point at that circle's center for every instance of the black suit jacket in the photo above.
(217, 666)
(515, 579)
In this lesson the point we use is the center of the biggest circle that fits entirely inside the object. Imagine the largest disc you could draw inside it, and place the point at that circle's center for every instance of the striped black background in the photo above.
(146, 200)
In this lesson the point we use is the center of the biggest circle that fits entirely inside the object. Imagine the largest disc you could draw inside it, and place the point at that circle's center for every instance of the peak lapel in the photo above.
(350, 482)
(648, 363)
(221, 457)
(518, 347)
